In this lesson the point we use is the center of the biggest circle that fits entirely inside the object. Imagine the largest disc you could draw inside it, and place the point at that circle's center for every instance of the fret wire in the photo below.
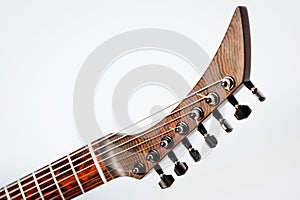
(55, 181)
(7, 193)
(83, 176)
(21, 189)
(71, 154)
(95, 160)
(37, 186)
(112, 155)
(55, 162)
(75, 174)
(45, 174)
(96, 163)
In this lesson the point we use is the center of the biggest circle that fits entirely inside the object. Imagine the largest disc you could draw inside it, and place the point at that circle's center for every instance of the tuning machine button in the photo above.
(193, 152)
(197, 114)
(180, 167)
(242, 111)
(255, 91)
(139, 168)
(153, 156)
(167, 142)
(182, 128)
(210, 140)
(166, 180)
(224, 123)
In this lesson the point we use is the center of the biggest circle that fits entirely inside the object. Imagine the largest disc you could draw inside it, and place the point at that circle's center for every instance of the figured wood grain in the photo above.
(118, 153)
(232, 59)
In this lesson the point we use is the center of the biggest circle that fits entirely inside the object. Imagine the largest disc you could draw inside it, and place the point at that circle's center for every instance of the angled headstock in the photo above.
(136, 154)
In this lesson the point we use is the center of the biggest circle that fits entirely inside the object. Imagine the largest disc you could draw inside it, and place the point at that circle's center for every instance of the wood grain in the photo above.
(117, 154)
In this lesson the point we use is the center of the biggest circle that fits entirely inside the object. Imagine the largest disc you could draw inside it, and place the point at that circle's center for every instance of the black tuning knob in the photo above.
(255, 91)
(210, 140)
(166, 180)
(193, 152)
(242, 111)
(224, 123)
(180, 167)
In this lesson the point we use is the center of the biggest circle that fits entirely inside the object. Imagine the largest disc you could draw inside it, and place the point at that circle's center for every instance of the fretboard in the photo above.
(66, 178)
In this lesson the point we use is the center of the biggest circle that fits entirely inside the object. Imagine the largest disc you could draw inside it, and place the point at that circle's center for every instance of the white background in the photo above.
(43, 45)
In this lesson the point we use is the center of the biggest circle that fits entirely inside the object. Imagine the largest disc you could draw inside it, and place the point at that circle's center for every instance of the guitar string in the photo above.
(118, 152)
(97, 155)
(151, 130)
(131, 147)
(108, 165)
(102, 139)
(192, 94)
(142, 127)
(112, 149)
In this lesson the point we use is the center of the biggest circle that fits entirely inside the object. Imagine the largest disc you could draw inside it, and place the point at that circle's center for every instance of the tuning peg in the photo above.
(210, 140)
(255, 91)
(224, 123)
(166, 180)
(242, 111)
(193, 152)
(180, 167)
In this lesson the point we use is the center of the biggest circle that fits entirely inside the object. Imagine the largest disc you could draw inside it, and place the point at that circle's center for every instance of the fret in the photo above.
(55, 181)
(37, 186)
(47, 185)
(7, 193)
(74, 172)
(66, 179)
(95, 149)
(13, 191)
(21, 189)
(3, 195)
(86, 170)
(92, 152)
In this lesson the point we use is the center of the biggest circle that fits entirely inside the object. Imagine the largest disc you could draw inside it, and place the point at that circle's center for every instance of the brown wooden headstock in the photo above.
(135, 155)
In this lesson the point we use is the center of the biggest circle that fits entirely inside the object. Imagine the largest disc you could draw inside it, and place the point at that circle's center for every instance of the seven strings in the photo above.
(102, 139)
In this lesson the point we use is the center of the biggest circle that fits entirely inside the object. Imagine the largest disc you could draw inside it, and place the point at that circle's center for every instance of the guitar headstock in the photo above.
(136, 154)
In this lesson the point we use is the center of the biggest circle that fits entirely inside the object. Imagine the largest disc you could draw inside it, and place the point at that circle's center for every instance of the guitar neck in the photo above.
(66, 178)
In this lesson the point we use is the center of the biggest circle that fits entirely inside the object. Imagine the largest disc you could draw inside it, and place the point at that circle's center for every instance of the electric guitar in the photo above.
(135, 154)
